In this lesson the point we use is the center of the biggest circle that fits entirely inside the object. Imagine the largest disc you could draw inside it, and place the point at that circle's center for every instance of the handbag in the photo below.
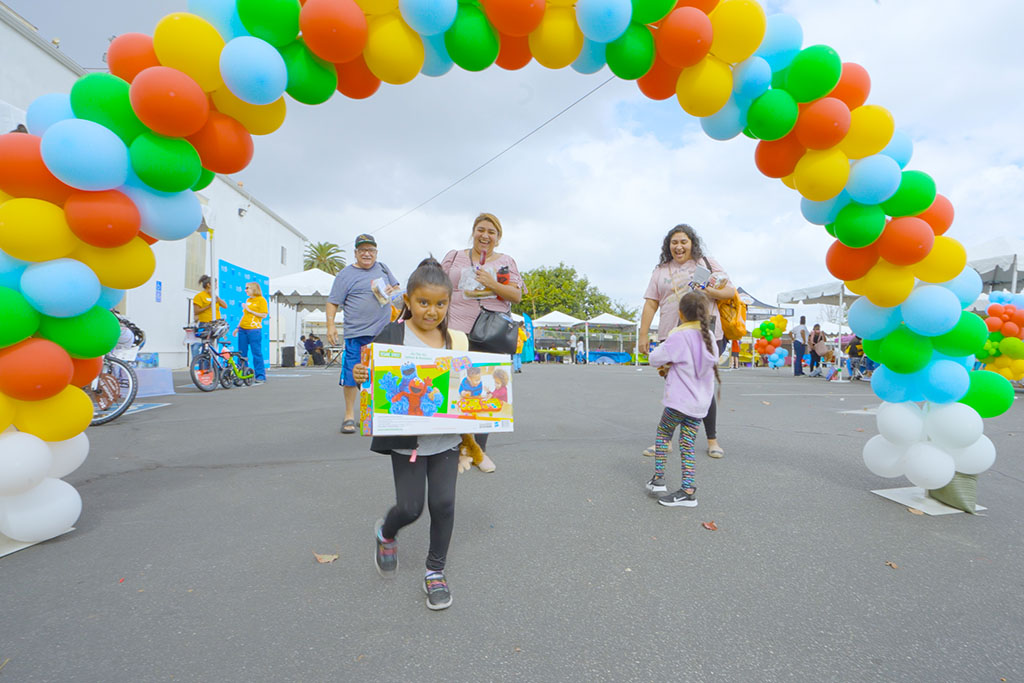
(820, 347)
(732, 312)
(493, 333)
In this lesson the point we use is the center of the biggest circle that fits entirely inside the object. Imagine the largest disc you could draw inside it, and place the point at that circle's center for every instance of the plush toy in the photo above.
(471, 454)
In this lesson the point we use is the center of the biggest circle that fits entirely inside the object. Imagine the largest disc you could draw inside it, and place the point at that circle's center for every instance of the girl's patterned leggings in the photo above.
(670, 419)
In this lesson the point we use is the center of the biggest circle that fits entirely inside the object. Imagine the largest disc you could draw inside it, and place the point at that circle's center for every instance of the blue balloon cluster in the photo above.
(778, 358)
(1004, 298)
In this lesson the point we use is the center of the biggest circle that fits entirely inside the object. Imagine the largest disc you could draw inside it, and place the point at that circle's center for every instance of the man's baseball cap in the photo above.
(365, 239)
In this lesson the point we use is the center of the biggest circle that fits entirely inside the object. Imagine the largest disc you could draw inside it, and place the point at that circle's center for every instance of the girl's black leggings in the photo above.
(434, 476)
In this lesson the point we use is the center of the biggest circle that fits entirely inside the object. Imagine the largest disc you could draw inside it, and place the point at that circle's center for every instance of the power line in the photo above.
(493, 158)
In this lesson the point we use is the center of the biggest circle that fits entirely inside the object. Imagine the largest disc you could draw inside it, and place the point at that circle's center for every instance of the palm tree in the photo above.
(327, 256)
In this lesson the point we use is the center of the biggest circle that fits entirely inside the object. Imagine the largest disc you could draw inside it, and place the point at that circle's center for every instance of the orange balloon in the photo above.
(516, 18)
(778, 158)
(169, 101)
(334, 30)
(102, 219)
(86, 370)
(514, 52)
(1010, 329)
(704, 6)
(147, 239)
(34, 369)
(23, 173)
(823, 123)
(660, 82)
(853, 87)
(684, 37)
(131, 53)
(847, 263)
(224, 145)
(355, 79)
(905, 241)
(939, 215)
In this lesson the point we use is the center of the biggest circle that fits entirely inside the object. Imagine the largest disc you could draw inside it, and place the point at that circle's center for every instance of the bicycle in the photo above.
(211, 367)
(115, 387)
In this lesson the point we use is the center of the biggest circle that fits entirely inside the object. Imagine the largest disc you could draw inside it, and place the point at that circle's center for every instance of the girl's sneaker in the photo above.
(656, 485)
(386, 557)
(680, 499)
(436, 588)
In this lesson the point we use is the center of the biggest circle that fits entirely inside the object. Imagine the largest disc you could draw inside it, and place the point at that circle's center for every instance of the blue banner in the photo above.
(528, 355)
(232, 289)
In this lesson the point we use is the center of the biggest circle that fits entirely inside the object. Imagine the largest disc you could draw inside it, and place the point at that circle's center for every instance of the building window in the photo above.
(195, 260)
(284, 256)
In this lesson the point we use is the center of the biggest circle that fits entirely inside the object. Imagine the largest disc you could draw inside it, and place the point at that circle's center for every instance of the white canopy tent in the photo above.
(557, 319)
(833, 293)
(999, 262)
(603, 320)
(306, 290)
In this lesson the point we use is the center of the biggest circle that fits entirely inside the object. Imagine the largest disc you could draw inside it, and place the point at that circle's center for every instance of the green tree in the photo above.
(327, 256)
(562, 288)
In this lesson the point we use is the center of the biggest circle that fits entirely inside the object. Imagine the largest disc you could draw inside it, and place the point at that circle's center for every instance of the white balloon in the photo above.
(928, 467)
(976, 458)
(41, 513)
(900, 423)
(68, 455)
(883, 457)
(24, 462)
(953, 425)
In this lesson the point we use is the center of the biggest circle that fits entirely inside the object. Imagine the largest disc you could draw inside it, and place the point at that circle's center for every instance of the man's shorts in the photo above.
(353, 356)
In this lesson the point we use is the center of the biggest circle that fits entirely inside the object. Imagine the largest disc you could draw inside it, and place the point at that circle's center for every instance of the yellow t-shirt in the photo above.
(203, 299)
(249, 321)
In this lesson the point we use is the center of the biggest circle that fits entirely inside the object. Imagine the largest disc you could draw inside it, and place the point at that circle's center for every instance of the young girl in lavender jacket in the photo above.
(689, 364)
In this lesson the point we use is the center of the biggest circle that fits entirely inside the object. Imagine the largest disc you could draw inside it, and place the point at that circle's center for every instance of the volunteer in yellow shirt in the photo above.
(250, 329)
(202, 307)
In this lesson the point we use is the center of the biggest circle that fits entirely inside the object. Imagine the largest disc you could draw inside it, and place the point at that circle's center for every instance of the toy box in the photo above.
(415, 390)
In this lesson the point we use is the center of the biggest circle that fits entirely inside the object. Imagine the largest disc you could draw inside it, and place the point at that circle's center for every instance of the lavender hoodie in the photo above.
(690, 384)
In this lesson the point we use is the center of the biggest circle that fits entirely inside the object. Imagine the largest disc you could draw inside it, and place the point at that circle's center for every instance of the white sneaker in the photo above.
(656, 485)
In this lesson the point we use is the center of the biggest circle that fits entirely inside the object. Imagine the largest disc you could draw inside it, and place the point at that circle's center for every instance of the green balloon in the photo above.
(831, 229)
(749, 133)
(872, 349)
(814, 73)
(631, 55)
(275, 21)
(914, 195)
(89, 335)
(904, 351)
(650, 11)
(103, 99)
(858, 225)
(165, 164)
(989, 393)
(772, 115)
(472, 42)
(311, 80)
(18, 320)
(1012, 347)
(779, 78)
(966, 339)
(205, 178)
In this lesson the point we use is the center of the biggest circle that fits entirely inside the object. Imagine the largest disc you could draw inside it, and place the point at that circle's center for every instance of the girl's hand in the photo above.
(360, 373)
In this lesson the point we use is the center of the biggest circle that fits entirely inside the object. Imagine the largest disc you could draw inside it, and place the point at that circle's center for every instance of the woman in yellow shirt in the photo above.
(250, 329)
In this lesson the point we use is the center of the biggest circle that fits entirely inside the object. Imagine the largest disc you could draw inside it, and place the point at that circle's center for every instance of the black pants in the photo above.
(815, 359)
(711, 419)
(437, 474)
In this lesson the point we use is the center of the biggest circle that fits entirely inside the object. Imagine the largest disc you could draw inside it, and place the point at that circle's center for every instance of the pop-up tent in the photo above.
(557, 319)
(306, 290)
(999, 262)
(606, 320)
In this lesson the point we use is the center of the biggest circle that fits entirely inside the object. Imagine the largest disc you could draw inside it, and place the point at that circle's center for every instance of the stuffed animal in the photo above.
(471, 454)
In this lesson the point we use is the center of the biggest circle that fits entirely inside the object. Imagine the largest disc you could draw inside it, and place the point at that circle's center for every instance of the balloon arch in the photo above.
(112, 167)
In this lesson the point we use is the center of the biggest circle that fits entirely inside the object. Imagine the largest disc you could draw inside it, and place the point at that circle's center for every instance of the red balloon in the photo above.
(823, 124)
(905, 241)
(1009, 309)
(34, 369)
(1010, 329)
(102, 219)
(939, 215)
(778, 158)
(169, 101)
(853, 87)
(224, 145)
(660, 82)
(355, 80)
(129, 54)
(704, 6)
(515, 18)
(996, 310)
(334, 30)
(514, 53)
(993, 324)
(1018, 317)
(86, 370)
(684, 37)
(23, 173)
(847, 263)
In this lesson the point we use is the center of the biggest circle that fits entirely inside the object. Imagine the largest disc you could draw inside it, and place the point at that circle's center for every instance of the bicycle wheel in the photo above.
(114, 392)
(205, 372)
(227, 377)
(245, 373)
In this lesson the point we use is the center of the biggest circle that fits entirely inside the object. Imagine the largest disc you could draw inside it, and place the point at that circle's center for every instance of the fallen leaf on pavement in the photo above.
(710, 526)
(892, 564)
(914, 511)
(767, 403)
(859, 429)
(9, 659)
(325, 559)
(360, 658)
(520, 650)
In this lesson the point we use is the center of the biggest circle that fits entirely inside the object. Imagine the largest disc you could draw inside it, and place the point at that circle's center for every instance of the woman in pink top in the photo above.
(681, 253)
(481, 278)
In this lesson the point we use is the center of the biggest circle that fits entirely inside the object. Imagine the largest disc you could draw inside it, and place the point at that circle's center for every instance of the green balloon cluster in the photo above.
(904, 351)
(772, 115)
(989, 393)
(165, 164)
(311, 80)
(814, 73)
(965, 339)
(631, 55)
(89, 335)
(18, 320)
(103, 99)
(914, 195)
(472, 42)
(858, 225)
(275, 21)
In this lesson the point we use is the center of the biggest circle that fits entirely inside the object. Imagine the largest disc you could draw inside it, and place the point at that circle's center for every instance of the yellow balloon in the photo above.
(739, 27)
(871, 129)
(124, 267)
(821, 174)
(394, 52)
(1016, 367)
(191, 44)
(789, 181)
(373, 7)
(705, 87)
(885, 284)
(258, 119)
(4, 197)
(943, 263)
(561, 3)
(57, 418)
(34, 230)
(558, 41)
(6, 412)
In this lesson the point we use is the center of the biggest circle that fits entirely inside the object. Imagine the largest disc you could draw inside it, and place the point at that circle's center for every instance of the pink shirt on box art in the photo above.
(668, 282)
(690, 383)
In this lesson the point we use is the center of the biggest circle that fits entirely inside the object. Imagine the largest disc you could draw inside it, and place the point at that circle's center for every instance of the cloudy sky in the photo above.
(599, 186)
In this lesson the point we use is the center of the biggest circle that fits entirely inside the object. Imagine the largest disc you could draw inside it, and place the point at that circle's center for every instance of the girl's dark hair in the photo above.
(696, 306)
(204, 280)
(429, 273)
(696, 250)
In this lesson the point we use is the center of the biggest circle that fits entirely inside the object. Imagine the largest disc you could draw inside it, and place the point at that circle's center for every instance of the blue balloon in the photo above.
(966, 361)
(85, 155)
(223, 14)
(429, 17)
(10, 271)
(945, 381)
(61, 288)
(900, 148)
(436, 61)
(591, 59)
(931, 310)
(109, 297)
(253, 70)
(869, 321)
(602, 21)
(1018, 300)
(47, 110)
(873, 179)
(166, 216)
(967, 286)
(783, 37)
(1003, 297)
(727, 122)
(894, 387)
(751, 77)
(782, 352)
(823, 213)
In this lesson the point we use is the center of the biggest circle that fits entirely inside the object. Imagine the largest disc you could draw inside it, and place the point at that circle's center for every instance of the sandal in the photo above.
(715, 452)
(348, 427)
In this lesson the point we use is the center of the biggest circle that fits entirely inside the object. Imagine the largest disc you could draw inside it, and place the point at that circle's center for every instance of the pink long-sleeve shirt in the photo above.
(690, 383)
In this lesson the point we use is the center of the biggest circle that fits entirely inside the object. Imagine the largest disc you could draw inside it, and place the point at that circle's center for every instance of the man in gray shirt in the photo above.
(366, 312)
